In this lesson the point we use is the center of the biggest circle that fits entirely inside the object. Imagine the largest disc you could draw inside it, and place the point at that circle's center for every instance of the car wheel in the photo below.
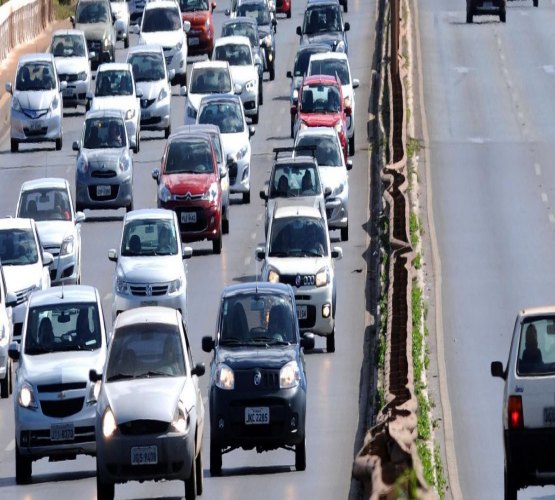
(272, 71)
(469, 16)
(199, 471)
(352, 145)
(215, 457)
(300, 455)
(247, 197)
(10, 387)
(330, 341)
(292, 129)
(225, 223)
(255, 117)
(138, 142)
(58, 144)
(14, 146)
(503, 16)
(289, 13)
(5, 383)
(126, 42)
(183, 79)
(167, 131)
(535, 3)
(260, 95)
(104, 491)
(345, 233)
(217, 244)
(191, 482)
(510, 484)
(129, 207)
(23, 468)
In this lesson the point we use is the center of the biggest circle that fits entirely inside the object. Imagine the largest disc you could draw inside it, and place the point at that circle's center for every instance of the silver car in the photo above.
(63, 339)
(36, 106)
(104, 170)
(48, 201)
(150, 268)
(150, 413)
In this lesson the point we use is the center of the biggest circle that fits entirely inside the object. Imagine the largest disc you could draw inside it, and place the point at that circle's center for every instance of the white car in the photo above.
(226, 111)
(54, 401)
(115, 89)
(48, 201)
(120, 8)
(162, 24)
(149, 268)
(236, 50)
(25, 264)
(36, 105)
(153, 81)
(337, 64)
(7, 301)
(333, 172)
(298, 253)
(71, 57)
(207, 77)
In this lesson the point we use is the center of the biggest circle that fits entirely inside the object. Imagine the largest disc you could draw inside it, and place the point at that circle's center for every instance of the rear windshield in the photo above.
(536, 350)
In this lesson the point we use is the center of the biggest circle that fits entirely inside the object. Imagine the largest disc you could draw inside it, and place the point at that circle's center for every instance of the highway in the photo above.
(333, 392)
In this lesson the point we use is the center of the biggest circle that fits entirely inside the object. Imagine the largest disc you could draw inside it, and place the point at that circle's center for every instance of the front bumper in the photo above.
(315, 300)
(64, 269)
(207, 219)
(239, 177)
(155, 115)
(200, 41)
(336, 210)
(121, 192)
(43, 129)
(132, 125)
(250, 102)
(76, 91)
(125, 302)
(176, 60)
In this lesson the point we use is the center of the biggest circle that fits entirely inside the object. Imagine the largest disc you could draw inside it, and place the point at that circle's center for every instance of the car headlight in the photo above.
(67, 245)
(289, 375)
(26, 397)
(241, 153)
(225, 378)
(82, 165)
(191, 111)
(163, 94)
(130, 114)
(303, 125)
(250, 85)
(338, 190)
(15, 104)
(322, 277)
(347, 101)
(179, 46)
(82, 76)
(181, 419)
(164, 194)
(268, 40)
(94, 391)
(175, 286)
(54, 104)
(273, 276)
(109, 425)
(124, 163)
(211, 193)
(339, 126)
(105, 42)
(207, 23)
(340, 46)
(122, 286)
(296, 95)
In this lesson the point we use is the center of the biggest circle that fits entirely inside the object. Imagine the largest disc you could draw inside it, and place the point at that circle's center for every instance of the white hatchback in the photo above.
(120, 9)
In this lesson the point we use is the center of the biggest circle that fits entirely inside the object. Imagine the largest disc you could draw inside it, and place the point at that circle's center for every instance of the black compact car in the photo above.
(487, 7)
(257, 388)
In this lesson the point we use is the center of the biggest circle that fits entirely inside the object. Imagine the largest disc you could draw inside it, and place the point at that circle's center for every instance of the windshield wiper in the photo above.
(278, 254)
(154, 373)
(231, 341)
(120, 376)
(37, 350)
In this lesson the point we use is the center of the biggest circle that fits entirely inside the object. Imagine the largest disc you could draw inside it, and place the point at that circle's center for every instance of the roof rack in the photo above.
(299, 149)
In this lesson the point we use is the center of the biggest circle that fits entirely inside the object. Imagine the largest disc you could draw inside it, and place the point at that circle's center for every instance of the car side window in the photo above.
(536, 352)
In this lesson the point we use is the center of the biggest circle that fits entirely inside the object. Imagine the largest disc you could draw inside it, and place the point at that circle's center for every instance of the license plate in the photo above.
(259, 415)
(144, 455)
(62, 432)
(149, 303)
(188, 217)
(36, 125)
(103, 190)
(194, 41)
(549, 415)
(302, 312)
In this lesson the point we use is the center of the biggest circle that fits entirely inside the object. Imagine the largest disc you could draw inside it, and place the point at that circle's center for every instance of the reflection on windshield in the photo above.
(234, 54)
(147, 67)
(192, 157)
(294, 180)
(45, 204)
(320, 99)
(322, 19)
(241, 29)
(210, 81)
(104, 133)
(160, 20)
(193, 5)
(328, 151)
(18, 247)
(35, 76)
(298, 237)
(258, 12)
(226, 116)
(113, 82)
(68, 46)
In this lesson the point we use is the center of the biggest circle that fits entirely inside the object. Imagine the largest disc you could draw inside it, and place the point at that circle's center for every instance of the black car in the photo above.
(487, 7)
(257, 388)
(323, 23)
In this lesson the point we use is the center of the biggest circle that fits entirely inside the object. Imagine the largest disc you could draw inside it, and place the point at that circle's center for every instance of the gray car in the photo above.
(157, 435)
(104, 173)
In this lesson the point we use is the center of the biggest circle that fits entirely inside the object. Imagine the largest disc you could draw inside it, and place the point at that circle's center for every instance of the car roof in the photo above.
(67, 293)
(301, 210)
(114, 66)
(188, 134)
(45, 182)
(316, 131)
(320, 56)
(237, 39)
(15, 223)
(210, 64)
(297, 160)
(139, 49)
(69, 31)
(310, 3)
(156, 4)
(314, 47)
(312, 79)
(36, 57)
(103, 113)
(214, 98)
(146, 314)
(537, 311)
(256, 286)
(149, 213)
(208, 128)
(241, 19)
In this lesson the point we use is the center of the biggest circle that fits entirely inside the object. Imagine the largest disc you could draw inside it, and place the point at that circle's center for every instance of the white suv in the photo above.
(298, 253)
(528, 411)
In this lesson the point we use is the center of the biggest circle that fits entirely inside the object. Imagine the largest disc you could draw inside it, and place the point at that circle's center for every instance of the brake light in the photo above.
(516, 419)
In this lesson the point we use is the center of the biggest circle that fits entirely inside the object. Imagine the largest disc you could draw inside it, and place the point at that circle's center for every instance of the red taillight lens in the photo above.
(516, 419)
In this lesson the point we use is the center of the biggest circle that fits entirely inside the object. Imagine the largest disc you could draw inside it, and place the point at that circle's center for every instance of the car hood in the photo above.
(93, 31)
(330, 38)
(167, 39)
(71, 65)
(243, 74)
(293, 201)
(296, 265)
(197, 18)
(189, 183)
(121, 102)
(103, 158)
(61, 367)
(22, 277)
(151, 90)
(232, 143)
(157, 398)
(320, 119)
(30, 99)
(52, 232)
(149, 269)
(332, 176)
(256, 357)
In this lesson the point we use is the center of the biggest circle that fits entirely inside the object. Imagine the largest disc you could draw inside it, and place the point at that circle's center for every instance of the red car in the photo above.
(284, 7)
(188, 182)
(320, 104)
(200, 38)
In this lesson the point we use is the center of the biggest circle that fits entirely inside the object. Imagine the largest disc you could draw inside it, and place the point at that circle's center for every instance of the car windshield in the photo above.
(18, 247)
(189, 156)
(91, 12)
(67, 46)
(227, 116)
(146, 351)
(536, 349)
(149, 237)
(235, 54)
(193, 5)
(241, 29)
(302, 60)
(257, 11)
(35, 76)
(210, 81)
(322, 18)
(332, 67)
(161, 20)
(113, 82)
(147, 67)
(320, 99)
(298, 237)
(105, 132)
(45, 204)
(63, 327)
(328, 150)
(297, 179)
(257, 318)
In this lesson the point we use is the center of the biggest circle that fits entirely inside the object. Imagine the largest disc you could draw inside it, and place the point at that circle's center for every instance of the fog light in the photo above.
(293, 422)
(270, 57)
(221, 423)
(24, 439)
(326, 309)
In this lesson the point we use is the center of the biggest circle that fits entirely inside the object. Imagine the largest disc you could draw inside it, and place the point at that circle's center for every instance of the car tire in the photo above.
(272, 71)
(14, 146)
(346, 7)
(330, 341)
(129, 207)
(104, 491)
(167, 131)
(5, 383)
(126, 41)
(10, 387)
(199, 472)
(345, 233)
(23, 468)
(300, 455)
(260, 95)
(289, 13)
(183, 79)
(510, 484)
(217, 244)
(225, 224)
(536, 3)
(292, 129)
(469, 16)
(215, 457)
(137, 143)
(352, 144)
(191, 482)
(255, 117)
(503, 16)
(247, 197)
(59, 144)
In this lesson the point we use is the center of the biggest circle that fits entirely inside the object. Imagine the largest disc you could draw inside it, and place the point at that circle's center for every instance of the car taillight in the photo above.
(516, 419)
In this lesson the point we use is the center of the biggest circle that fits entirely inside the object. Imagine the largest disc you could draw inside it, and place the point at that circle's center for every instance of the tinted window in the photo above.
(332, 67)
(142, 237)
(298, 237)
(114, 82)
(242, 29)
(68, 46)
(234, 54)
(18, 247)
(226, 116)
(320, 99)
(45, 204)
(147, 67)
(192, 5)
(294, 180)
(35, 76)
(210, 81)
(92, 12)
(322, 18)
(161, 20)
(191, 156)
(328, 150)
(104, 133)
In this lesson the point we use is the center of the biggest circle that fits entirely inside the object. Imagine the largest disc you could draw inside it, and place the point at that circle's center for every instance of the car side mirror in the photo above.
(92, 55)
(47, 259)
(171, 74)
(356, 83)
(293, 109)
(208, 344)
(307, 341)
(114, 18)
(94, 376)
(136, 29)
(213, 5)
(198, 370)
(299, 31)
(72, 20)
(156, 174)
(113, 255)
(227, 12)
(348, 110)
(138, 93)
(90, 95)
(186, 26)
(349, 164)
(337, 253)
(263, 195)
(497, 370)
(11, 299)
(14, 351)
(347, 27)
(289, 74)
(260, 253)
(186, 252)
(183, 90)
(9, 87)
(252, 130)
(223, 172)
(79, 217)
(63, 85)
(76, 146)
